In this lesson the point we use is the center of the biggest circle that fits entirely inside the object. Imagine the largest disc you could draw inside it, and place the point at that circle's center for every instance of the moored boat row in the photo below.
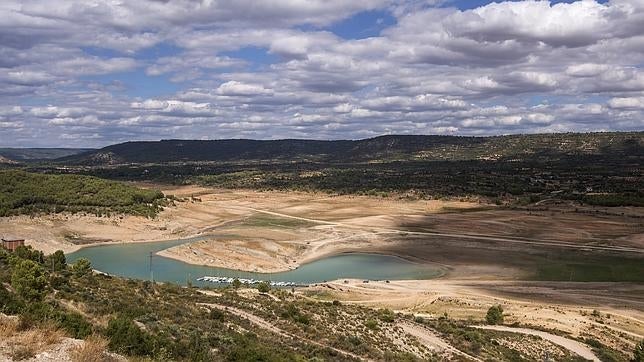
(229, 280)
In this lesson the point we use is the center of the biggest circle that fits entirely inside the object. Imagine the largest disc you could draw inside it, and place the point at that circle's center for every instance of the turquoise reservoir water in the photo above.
(133, 260)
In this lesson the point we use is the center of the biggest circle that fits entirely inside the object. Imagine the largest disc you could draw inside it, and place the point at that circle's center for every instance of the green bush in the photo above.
(10, 303)
(494, 315)
(386, 315)
(216, 314)
(57, 261)
(27, 252)
(371, 324)
(126, 337)
(264, 287)
(35, 313)
(638, 353)
(293, 313)
(75, 325)
(29, 280)
(82, 267)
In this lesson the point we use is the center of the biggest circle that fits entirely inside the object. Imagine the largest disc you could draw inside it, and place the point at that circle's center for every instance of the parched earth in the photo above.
(612, 313)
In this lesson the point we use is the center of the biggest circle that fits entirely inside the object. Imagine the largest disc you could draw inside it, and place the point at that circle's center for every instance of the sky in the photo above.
(89, 73)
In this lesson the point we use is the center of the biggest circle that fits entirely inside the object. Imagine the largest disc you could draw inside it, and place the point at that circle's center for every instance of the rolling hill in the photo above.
(383, 148)
(27, 154)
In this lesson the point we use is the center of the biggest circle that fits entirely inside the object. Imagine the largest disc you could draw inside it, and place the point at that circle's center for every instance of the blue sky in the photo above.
(73, 74)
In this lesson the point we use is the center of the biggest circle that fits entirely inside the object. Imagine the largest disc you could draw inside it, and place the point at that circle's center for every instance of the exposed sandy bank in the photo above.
(277, 231)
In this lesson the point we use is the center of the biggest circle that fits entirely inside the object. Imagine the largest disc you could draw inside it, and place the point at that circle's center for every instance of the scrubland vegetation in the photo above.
(168, 322)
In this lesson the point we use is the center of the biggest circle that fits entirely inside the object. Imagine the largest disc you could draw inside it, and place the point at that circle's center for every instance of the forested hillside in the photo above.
(384, 148)
(24, 154)
(27, 193)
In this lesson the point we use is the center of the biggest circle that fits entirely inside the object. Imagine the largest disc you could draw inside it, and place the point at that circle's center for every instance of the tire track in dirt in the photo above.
(264, 324)
(569, 344)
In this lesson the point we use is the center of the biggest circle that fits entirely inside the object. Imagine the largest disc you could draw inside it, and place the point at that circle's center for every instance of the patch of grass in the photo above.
(25, 343)
(93, 349)
(462, 210)
(601, 270)
(604, 353)
(266, 220)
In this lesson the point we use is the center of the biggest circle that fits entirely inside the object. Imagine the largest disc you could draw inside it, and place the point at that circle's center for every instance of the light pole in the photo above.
(150, 265)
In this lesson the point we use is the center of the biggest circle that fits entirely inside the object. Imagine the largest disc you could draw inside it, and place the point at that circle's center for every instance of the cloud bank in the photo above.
(91, 73)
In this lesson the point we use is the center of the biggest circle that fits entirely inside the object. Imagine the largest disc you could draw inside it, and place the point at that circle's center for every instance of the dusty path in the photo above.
(569, 344)
(262, 323)
(431, 339)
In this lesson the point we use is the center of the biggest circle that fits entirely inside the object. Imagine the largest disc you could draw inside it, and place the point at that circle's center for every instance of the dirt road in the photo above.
(431, 339)
(569, 344)
(264, 324)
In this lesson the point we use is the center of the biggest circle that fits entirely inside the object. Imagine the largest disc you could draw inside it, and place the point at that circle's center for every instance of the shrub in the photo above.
(371, 324)
(236, 283)
(198, 349)
(494, 315)
(82, 267)
(93, 349)
(216, 314)
(126, 337)
(292, 312)
(638, 354)
(57, 260)
(264, 287)
(386, 315)
(27, 252)
(9, 302)
(29, 280)
(75, 325)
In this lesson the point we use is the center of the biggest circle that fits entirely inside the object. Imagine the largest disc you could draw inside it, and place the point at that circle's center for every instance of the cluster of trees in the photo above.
(597, 169)
(594, 180)
(26, 193)
(383, 148)
(32, 277)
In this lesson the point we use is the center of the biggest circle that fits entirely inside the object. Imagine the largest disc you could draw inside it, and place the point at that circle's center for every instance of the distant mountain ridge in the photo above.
(382, 148)
(26, 154)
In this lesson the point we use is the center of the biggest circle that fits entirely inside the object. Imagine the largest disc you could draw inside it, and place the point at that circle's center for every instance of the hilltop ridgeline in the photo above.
(383, 148)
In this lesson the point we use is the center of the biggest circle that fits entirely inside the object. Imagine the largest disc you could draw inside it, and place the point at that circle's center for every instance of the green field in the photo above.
(600, 270)
(267, 220)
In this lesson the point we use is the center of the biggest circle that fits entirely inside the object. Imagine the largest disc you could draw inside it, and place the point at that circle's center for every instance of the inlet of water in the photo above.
(133, 260)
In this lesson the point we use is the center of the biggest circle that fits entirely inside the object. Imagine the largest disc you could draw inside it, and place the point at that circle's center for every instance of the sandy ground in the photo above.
(277, 231)
(564, 307)
(267, 246)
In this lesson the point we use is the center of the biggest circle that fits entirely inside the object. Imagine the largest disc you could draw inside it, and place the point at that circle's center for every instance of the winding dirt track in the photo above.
(569, 344)
(431, 339)
(264, 324)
